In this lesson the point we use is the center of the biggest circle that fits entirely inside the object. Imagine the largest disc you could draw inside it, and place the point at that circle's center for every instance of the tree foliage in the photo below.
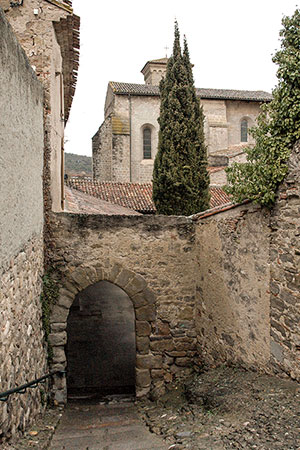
(278, 126)
(180, 178)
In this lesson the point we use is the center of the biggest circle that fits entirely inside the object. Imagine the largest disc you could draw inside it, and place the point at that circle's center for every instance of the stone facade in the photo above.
(22, 352)
(151, 259)
(38, 27)
(130, 108)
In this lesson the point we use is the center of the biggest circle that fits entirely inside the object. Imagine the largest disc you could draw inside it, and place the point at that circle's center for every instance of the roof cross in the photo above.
(166, 48)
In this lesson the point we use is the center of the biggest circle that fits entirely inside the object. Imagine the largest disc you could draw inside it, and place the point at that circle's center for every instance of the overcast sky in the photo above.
(231, 45)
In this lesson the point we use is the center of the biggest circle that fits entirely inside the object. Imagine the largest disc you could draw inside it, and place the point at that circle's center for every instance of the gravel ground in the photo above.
(221, 409)
(228, 409)
(38, 436)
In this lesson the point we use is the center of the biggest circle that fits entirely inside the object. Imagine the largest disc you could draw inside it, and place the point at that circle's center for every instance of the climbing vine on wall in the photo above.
(48, 299)
(278, 127)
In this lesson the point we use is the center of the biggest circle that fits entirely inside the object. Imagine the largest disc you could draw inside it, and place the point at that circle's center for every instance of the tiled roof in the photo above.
(218, 197)
(67, 34)
(136, 196)
(213, 94)
(80, 203)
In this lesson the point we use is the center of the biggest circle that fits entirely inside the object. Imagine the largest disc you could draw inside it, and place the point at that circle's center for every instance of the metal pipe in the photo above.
(32, 384)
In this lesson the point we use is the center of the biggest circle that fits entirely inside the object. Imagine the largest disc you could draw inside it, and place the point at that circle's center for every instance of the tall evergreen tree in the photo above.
(180, 177)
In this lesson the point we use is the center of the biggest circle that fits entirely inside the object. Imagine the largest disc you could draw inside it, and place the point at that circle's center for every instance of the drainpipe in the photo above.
(130, 144)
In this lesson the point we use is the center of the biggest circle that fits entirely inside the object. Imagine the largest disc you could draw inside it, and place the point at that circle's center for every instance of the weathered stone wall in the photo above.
(37, 37)
(232, 287)
(285, 273)
(22, 354)
(151, 259)
(102, 152)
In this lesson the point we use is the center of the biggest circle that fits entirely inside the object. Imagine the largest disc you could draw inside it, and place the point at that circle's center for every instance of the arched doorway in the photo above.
(101, 347)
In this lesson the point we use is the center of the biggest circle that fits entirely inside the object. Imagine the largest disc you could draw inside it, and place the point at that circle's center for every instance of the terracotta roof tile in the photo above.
(80, 203)
(135, 196)
(213, 94)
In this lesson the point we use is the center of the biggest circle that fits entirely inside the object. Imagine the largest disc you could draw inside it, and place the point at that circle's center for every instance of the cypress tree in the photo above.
(180, 178)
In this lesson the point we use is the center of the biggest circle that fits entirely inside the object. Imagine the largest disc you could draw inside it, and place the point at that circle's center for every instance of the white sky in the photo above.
(231, 44)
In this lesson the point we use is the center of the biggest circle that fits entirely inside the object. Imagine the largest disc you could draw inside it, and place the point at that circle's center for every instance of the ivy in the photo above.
(49, 297)
(277, 130)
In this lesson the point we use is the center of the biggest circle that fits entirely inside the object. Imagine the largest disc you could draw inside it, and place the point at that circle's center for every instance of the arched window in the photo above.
(244, 130)
(147, 143)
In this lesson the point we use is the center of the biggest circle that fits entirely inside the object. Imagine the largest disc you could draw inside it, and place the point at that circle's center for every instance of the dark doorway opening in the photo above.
(101, 348)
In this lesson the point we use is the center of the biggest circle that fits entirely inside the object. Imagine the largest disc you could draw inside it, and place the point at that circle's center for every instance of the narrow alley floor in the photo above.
(112, 426)
(221, 409)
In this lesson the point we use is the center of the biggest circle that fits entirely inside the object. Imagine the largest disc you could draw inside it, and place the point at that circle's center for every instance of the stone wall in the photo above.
(102, 148)
(37, 37)
(228, 277)
(152, 260)
(285, 273)
(232, 287)
(248, 280)
(22, 354)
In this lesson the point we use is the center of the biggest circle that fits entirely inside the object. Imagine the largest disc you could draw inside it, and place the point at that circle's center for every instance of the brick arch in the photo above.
(143, 300)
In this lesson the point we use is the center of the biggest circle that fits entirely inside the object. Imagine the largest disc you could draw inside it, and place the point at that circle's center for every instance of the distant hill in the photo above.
(78, 165)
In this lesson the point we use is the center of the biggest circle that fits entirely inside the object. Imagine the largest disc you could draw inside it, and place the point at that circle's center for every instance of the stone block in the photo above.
(123, 278)
(139, 300)
(64, 301)
(60, 397)
(158, 390)
(143, 328)
(176, 354)
(145, 313)
(142, 392)
(69, 289)
(142, 344)
(58, 327)
(149, 361)
(157, 373)
(58, 339)
(162, 328)
(162, 346)
(115, 271)
(59, 355)
(136, 285)
(80, 279)
(183, 362)
(59, 314)
(143, 378)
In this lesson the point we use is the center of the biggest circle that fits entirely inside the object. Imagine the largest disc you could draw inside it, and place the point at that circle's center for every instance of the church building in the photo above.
(125, 145)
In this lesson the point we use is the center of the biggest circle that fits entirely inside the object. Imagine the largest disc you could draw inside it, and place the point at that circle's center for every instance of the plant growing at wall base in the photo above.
(278, 127)
(49, 297)
(180, 178)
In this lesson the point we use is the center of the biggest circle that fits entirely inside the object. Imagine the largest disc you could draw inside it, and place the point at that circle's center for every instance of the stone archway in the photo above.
(143, 301)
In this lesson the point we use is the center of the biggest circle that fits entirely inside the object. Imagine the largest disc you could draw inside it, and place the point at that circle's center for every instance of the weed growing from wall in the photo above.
(49, 297)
